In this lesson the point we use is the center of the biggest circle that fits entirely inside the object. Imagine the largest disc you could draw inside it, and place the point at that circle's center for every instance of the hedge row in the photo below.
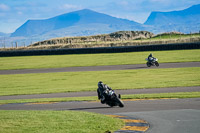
(101, 50)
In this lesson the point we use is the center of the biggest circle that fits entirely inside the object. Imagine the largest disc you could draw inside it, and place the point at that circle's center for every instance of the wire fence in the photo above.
(9, 42)
(100, 50)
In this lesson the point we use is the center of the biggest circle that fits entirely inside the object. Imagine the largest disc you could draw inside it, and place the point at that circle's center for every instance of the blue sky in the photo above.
(13, 13)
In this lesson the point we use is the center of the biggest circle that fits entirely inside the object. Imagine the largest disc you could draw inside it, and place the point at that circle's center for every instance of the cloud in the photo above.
(19, 13)
(137, 10)
(69, 7)
(4, 7)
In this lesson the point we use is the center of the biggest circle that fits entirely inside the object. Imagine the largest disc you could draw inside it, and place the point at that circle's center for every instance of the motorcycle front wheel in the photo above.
(156, 63)
(120, 102)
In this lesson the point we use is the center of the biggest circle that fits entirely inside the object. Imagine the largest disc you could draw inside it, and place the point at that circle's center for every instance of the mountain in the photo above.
(75, 23)
(4, 34)
(87, 22)
(184, 20)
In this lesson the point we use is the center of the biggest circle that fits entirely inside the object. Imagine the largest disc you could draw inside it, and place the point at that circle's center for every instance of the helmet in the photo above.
(100, 84)
(151, 55)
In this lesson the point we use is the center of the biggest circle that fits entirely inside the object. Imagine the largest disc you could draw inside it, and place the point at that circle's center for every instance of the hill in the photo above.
(103, 38)
(187, 20)
(82, 22)
(87, 22)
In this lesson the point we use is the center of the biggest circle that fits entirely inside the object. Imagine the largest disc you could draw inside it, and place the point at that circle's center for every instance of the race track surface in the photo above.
(100, 68)
(94, 93)
(163, 116)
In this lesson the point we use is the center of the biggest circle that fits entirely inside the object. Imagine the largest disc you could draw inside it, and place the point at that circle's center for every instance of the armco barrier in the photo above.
(101, 50)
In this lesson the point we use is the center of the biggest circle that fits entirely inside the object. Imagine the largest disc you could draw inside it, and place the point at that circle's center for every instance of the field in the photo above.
(75, 121)
(56, 122)
(94, 98)
(59, 61)
(174, 36)
(85, 81)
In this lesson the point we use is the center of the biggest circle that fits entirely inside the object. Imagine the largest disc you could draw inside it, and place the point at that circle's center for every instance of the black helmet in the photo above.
(151, 54)
(100, 84)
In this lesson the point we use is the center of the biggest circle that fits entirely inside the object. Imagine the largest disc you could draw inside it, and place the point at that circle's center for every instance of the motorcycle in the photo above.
(111, 99)
(152, 62)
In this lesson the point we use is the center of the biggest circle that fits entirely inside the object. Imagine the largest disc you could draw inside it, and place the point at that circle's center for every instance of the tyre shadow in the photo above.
(90, 108)
(138, 67)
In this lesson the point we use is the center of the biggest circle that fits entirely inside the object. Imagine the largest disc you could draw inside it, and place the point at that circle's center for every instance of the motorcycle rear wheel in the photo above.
(148, 64)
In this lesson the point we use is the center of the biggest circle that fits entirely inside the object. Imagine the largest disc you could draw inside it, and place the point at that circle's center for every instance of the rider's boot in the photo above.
(103, 100)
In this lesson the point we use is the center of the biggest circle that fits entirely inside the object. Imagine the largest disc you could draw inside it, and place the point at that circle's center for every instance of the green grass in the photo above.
(163, 95)
(58, 61)
(44, 100)
(174, 36)
(56, 122)
(87, 81)
(94, 98)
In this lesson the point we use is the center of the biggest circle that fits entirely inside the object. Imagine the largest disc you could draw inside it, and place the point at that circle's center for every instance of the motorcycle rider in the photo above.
(102, 91)
(150, 57)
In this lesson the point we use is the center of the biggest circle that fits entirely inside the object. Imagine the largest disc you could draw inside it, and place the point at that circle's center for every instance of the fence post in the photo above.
(170, 35)
(150, 40)
(4, 42)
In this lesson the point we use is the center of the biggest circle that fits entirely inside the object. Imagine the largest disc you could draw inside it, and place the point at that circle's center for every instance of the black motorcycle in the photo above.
(111, 99)
(152, 62)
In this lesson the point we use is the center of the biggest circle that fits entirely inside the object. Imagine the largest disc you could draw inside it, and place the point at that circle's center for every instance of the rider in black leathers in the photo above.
(102, 91)
(150, 57)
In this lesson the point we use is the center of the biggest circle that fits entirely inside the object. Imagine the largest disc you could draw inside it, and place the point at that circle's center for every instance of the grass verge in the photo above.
(59, 61)
(56, 122)
(87, 81)
(163, 95)
(94, 98)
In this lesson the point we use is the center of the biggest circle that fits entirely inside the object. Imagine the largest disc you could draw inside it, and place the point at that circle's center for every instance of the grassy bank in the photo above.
(56, 121)
(101, 41)
(87, 81)
(174, 36)
(59, 61)
(94, 98)
(163, 95)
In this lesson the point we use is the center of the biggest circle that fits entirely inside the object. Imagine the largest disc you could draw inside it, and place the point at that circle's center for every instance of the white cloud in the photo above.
(19, 13)
(123, 3)
(69, 7)
(4, 7)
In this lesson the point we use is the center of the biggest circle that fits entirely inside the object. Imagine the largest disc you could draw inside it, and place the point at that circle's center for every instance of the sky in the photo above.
(14, 13)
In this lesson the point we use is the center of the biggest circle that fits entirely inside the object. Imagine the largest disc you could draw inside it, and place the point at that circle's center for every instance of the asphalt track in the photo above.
(100, 68)
(94, 93)
(163, 116)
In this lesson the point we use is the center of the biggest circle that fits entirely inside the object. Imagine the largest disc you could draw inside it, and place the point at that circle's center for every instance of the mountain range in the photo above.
(87, 22)
(186, 21)
(189, 15)
(82, 22)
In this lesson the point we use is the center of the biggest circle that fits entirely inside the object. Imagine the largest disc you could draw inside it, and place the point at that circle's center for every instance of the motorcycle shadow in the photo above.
(137, 67)
(90, 108)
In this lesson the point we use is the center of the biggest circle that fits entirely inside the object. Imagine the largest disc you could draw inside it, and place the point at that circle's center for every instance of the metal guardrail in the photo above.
(176, 46)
